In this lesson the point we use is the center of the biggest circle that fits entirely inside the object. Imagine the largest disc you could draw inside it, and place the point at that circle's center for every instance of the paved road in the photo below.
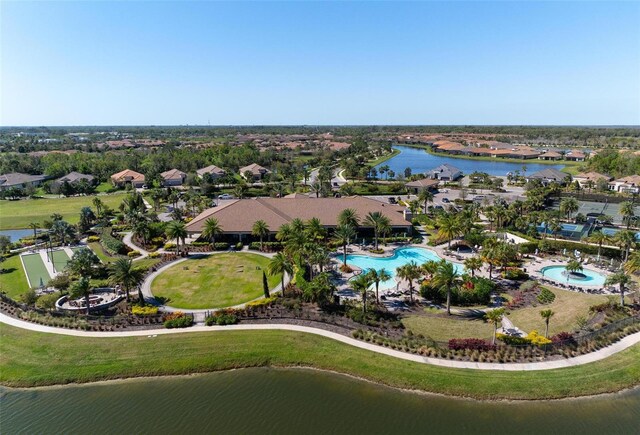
(598, 355)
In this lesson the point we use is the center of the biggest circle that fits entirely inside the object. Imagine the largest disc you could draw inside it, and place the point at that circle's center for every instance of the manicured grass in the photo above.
(13, 282)
(444, 328)
(219, 280)
(36, 270)
(30, 358)
(384, 158)
(60, 259)
(568, 306)
(102, 255)
(19, 214)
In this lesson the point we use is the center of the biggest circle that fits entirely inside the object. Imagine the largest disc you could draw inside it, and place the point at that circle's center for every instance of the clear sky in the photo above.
(129, 63)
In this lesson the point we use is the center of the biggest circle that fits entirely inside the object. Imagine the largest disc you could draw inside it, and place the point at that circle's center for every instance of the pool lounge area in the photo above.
(400, 257)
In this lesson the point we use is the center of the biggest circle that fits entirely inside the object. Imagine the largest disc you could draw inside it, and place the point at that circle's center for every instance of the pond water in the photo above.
(15, 235)
(399, 258)
(421, 161)
(296, 401)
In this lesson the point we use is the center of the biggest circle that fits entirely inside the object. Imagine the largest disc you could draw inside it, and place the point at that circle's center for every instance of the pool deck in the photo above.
(535, 266)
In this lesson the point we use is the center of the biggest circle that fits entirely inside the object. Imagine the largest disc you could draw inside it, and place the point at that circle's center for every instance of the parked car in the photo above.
(446, 200)
(392, 200)
(225, 196)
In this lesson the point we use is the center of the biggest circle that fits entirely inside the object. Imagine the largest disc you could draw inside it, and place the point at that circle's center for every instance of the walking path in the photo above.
(127, 241)
(598, 355)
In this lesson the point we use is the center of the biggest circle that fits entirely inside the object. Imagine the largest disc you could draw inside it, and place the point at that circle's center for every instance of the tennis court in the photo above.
(37, 273)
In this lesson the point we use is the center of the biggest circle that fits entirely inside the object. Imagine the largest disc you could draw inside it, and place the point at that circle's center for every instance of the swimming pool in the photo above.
(557, 273)
(400, 257)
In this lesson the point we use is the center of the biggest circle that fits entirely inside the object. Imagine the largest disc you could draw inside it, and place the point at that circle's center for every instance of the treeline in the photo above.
(615, 163)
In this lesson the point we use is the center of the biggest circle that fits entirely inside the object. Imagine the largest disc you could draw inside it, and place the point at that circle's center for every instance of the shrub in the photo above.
(48, 302)
(221, 246)
(377, 251)
(344, 268)
(91, 239)
(537, 339)
(565, 338)
(546, 296)
(470, 343)
(169, 246)
(513, 340)
(154, 255)
(177, 319)
(29, 297)
(146, 310)
(239, 246)
(267, 246)
(221, 318)
(515, 274)
(62, 281)
(261, 302)
(110, 244)
(133, 254)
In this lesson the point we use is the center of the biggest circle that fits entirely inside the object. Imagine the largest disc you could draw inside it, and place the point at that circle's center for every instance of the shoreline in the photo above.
(566, 164)
(121, 380)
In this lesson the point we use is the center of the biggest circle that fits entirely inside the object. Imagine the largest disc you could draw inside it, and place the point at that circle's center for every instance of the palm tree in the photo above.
(625, 240)
(430, 267)
(348, 216)
(622, 279)
(260, 229)
(280, 265)
(211, 230)
(378, 276)
(34, 226)
(315, 230)
(568, 206)
(632, 265)
(379, 222)
(82, 289)
(424, 196)
(361, 284)
(627, 210)
(122, 272)
(555, 228)
(448, 228)
(343, 234)
(446, 278)
(177, 230)
(472, 264)
(573, 266)
(598, 237)
(489, 252)
(409, 272)
(494, 316)
(546, 315)
(99, 205)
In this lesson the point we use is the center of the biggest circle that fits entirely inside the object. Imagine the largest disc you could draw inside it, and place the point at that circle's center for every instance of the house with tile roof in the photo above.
(173, 177)
(128, 176)
(214, 171)
(257, 172)
(20, 181)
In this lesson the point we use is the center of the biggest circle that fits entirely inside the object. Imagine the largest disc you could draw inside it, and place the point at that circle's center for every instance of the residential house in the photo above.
(630, 184)
(20, 181)
(173, 177)
(548, 176)
(423, 184)
(257, 172)
(550, 155)
(575, 156)
(75, 177)
(214, 171)
(128, 176)
(445, 173)
(584, 178)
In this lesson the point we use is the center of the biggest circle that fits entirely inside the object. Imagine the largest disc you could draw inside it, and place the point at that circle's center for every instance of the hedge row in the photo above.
(110, 244)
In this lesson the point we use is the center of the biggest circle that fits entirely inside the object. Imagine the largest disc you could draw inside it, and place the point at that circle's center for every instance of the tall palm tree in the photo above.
(446, 278)
(260, 229)
(82, 289)
(280, 265)
(622, 279)
(361, 284)
(315, 229)
(598, 237)
(430, 267)
(378, 222)
(546, 315)
(632, 265)
(625, 240)
(409, 272)
(99, 205)
(34, 226)
(122, 272)
(348, 216)
(472, 264)
(495, 317)
(177, 230)
(555, 228)
(343, 234)
(378, 276)
(425, 197)
(572, 267)
(627, 210)
(568, 206)
(449, 228)
(489, 253)
(211, 230)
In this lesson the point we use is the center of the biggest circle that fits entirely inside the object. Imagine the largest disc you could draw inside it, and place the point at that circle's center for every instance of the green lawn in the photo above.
(219, 280)
(444, 328)
(13, 281)
(102, 255)
(568, 306)
(19, 214)
(36, 271)
(31, 358)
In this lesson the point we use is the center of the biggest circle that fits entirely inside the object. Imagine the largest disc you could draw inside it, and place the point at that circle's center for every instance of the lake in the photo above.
(421, 161)
(297, 401)
(15, 235)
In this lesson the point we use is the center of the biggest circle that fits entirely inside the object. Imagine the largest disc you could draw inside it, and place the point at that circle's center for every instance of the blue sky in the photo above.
(128, 63)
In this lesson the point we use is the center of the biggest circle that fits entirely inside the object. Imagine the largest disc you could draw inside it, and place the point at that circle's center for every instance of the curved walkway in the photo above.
(598, 355)
(127, 241)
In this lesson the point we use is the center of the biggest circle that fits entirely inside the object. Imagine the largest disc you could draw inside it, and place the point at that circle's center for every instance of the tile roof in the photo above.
(127, 175)
(17, 178)
(239, 216)
(211, 169)
(75, 176)
(424, 182)
(173, 174)
(255, 169)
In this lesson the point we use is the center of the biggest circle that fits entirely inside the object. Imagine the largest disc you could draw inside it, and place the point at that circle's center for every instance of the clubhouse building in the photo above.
(236, 218)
